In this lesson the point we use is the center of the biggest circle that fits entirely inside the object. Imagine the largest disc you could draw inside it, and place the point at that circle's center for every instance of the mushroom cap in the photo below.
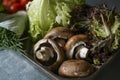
(75, 68)
(60, 35)
(54, 61)
(74, 42)
(59, 32)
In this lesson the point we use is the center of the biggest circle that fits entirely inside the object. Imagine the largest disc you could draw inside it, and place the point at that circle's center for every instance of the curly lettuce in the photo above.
(44, 14)
(116, 31)
(105, 28)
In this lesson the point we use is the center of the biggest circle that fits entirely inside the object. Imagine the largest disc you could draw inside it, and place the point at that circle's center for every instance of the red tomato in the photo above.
(14, 8)
(14, 1)
(15, 5)
(6, 3)
(9, 2)
(24, 2)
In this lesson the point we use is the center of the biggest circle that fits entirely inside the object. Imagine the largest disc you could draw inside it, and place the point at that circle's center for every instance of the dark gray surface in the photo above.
(13, 66)
(109, 3)
(112, 70)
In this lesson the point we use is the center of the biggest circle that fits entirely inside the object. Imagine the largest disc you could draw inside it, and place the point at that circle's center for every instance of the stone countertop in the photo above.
(13, 66)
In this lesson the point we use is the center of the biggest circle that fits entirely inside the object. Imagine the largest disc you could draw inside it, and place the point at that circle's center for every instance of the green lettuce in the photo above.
(115, 29)
(44, 14)
(105, 28)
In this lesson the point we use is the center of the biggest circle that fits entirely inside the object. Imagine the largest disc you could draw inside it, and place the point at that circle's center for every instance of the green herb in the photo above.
(12, 28)
(9, 40)
(96, 61)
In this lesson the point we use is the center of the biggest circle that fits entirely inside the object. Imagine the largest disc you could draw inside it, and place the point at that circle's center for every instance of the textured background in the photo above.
(110, 3)
(13, 66)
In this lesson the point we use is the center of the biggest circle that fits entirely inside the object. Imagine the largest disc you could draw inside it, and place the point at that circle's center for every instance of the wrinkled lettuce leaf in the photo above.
(105, 28)
(43, 14)
(116, 31)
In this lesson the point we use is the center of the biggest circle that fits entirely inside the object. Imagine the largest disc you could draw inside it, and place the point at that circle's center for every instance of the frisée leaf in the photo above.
(44, 14)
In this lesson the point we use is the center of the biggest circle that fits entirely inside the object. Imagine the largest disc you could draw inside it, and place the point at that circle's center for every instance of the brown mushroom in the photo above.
(75, 68)
(48, 53)
(60, 35)
(76, 47)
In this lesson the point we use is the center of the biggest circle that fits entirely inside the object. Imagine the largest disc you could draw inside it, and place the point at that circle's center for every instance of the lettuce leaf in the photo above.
(44, 14)
(105, 28)
(116, 31)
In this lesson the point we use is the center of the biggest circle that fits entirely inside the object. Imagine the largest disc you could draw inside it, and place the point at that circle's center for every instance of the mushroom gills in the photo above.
(48, 53)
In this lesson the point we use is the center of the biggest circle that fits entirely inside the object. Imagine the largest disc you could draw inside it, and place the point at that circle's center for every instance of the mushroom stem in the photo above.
(74, 46)
(82, 52)
(43, 55)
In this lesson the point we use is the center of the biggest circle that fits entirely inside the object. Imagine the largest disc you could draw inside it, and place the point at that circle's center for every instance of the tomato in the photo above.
(14, 7)
(24, 2)
(6, 3)
(9, 2)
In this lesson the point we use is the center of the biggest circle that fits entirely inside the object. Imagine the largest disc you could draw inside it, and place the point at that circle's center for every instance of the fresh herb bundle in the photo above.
(9, 40)
(12, 28)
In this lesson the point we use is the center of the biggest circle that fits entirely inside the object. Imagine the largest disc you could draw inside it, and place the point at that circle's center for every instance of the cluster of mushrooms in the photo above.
(64, 52)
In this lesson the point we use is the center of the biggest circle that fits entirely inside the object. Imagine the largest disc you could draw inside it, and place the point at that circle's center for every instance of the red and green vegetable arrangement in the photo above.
(12, 24)
(64, 33)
